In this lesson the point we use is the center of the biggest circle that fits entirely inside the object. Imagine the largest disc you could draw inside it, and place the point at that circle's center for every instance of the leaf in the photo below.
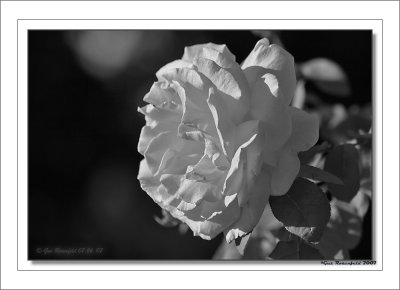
(315, 173)
(304, 210)
(327, 75)
(352, 125)
(307, 156)
(343, 161)
(295, 250)
(322, 69)
(343, 232)
(241, 243)
(338, 88)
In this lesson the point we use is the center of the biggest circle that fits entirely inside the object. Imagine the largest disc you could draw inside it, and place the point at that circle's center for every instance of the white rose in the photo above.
(220, 138)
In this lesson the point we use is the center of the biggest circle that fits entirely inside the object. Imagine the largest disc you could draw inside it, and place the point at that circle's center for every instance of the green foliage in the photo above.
(304, 210)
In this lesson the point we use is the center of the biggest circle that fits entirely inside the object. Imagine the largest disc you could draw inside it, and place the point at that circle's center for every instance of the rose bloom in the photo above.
(220, 138)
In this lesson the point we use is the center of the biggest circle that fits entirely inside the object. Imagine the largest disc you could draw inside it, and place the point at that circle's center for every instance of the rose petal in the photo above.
(146, 135)
(159, 116)
(208, 225)
(192, 88)
(252, 211)
(272, 157)
(146, 178)
(246, 163)
(176, 64)
(214, 152)
(305, 130)
(221, 59)
(161, 93)
(223, 123)
(205, 171)
(191, 52)
(232, 93)
(202, 181)
(157, 121)
(156, 149)
(277, 62)
(266, 107)
(285, 172)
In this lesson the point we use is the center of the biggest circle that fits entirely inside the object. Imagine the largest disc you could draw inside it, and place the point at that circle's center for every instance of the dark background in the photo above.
(83, 93)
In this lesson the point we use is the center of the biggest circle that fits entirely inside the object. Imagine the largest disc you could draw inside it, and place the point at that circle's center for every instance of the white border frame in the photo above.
(22, 274)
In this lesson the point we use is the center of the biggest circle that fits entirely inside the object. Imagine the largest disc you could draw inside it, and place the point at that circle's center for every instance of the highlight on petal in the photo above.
(176, 64)
(221, 59)
(246, 163)
(224, 124)
(283, 175)
(161, 93)
(233, 90)
(157, 121)
(156, 149)
(192, 88)
(305, 130)
(147, 180)
(210, 219)
(191, 52)
(275, 61)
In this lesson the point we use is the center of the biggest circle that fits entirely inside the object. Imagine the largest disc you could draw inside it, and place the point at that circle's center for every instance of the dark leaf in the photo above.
(307, 156)
(337, 88)
(315, 173)
(343, 232)
(304, 210)
(343, 161)
(351, 126)
(295, 250)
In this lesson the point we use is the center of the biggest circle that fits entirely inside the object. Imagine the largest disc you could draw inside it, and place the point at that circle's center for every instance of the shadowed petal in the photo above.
(275, 61)
(285, 172)
(209, 219)
(252, 211)
(231, 83)
(268, 108)
(305, 130)
(246, 163)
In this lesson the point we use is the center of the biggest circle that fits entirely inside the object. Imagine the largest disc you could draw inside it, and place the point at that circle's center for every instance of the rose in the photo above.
(221, 138)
